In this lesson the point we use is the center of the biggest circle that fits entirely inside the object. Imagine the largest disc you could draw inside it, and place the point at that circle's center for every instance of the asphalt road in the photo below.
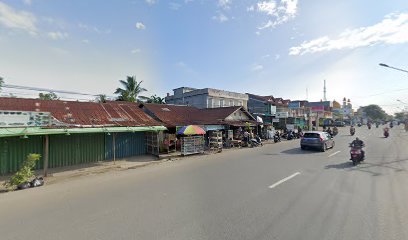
(273, 192)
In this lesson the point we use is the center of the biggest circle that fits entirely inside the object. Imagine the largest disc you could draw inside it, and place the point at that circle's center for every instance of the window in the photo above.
(221, 102)
(231, 103)
(209, 103)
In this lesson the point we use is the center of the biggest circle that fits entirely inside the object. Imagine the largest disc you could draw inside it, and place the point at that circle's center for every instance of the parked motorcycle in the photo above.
(289, 136)
(276, 138)
(356, 154)
(255, 142)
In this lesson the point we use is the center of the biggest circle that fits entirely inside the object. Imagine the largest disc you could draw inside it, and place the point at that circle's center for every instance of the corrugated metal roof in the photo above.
(83, 114)
(178, 115)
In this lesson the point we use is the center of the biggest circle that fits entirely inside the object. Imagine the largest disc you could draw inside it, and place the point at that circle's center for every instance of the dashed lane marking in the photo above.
(284, 180)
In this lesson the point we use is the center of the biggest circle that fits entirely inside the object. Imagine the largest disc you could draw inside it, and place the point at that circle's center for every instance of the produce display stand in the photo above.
(215, 141)
(192, 145)
(152, 143)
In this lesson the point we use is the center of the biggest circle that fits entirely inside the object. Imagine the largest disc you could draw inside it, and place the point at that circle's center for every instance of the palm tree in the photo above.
(101, 98)
(131, 89)
(153, 99)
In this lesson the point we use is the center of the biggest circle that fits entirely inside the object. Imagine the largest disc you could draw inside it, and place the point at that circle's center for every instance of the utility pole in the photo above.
(324, 91)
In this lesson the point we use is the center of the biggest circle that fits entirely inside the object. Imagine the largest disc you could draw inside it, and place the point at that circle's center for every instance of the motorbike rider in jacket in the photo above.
(357, 143)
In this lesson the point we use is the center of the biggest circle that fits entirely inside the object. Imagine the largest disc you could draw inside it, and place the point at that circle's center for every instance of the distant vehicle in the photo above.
(339, 123)
(318, 140)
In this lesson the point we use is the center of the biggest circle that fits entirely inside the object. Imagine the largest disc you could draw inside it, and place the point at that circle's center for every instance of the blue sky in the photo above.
(280, 47)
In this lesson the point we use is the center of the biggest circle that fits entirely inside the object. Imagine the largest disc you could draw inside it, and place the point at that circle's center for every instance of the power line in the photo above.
(48, 90)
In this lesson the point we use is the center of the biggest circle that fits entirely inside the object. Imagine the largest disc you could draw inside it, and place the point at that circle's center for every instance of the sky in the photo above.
(284, 48)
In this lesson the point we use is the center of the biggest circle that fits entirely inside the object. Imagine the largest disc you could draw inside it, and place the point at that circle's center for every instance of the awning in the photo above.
(30, 131)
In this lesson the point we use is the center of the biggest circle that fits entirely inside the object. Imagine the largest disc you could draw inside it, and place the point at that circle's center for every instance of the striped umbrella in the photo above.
(191, 130)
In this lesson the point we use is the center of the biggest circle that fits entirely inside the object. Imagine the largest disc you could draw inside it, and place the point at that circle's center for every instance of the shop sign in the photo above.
(24, 119)
(273, 110)
(282, 114)
(317, 108)
(293, 105)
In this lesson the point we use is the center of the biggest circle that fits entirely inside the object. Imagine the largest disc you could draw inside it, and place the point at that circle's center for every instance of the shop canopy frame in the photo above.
(33, 131)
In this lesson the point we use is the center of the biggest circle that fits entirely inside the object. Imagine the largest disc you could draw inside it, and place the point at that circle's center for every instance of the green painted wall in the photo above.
(14, 150)
(76, 149)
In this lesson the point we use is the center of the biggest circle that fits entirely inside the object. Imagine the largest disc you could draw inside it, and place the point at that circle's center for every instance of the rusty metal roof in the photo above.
(180, 115)
(83, 114)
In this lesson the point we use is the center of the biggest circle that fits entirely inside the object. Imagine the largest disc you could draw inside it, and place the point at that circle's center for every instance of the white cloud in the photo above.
(225, 4)
(392, 29)
(279, 12)
(251, 8)
(27, 2)
(17, 20)
(150, 2)
(86, 41)
(267, 7)
(277, 56)
(57, 35)
(257, 67)
(174, 6)
(136, 50)
(221, 18)
(258, 33)
(93, 29)
(140, 26)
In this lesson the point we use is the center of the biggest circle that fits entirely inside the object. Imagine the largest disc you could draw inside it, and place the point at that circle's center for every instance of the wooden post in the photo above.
(114, 147)
(46, 154)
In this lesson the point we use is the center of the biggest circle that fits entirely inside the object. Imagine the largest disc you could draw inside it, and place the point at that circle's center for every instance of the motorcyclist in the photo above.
(335, 131)
(352, 129)
(329, 131)
(357, 143)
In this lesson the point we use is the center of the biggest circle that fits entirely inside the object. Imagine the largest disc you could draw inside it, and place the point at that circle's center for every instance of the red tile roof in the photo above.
(84, 114)
(178, 115)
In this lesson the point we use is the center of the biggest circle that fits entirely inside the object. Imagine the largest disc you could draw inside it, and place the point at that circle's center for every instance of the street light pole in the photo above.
(399, 69)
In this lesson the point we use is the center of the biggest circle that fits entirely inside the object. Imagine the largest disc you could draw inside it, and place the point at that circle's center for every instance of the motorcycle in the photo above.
(356, 154)
(255, 142)
(352, 131)
(276, 138)
(289, 136)
(386, 133)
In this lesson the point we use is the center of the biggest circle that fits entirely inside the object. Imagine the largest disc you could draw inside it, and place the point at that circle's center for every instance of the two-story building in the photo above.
(206, 98)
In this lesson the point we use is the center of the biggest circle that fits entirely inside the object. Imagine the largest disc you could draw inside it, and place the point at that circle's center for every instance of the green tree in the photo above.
(153, 99)
(25, 173)
(101, 98)
(401, 115)
(375, 112)
(131, 89)
(48, 96)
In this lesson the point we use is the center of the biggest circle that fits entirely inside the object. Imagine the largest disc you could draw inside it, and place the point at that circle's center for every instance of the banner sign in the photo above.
(294, 105)
(24, 119)
(282, 114)
(275, 120)
(317, 108)
(273, 110)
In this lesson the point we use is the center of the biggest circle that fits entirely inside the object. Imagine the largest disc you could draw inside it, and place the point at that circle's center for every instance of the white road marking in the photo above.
(331, 155)
(284, 180)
